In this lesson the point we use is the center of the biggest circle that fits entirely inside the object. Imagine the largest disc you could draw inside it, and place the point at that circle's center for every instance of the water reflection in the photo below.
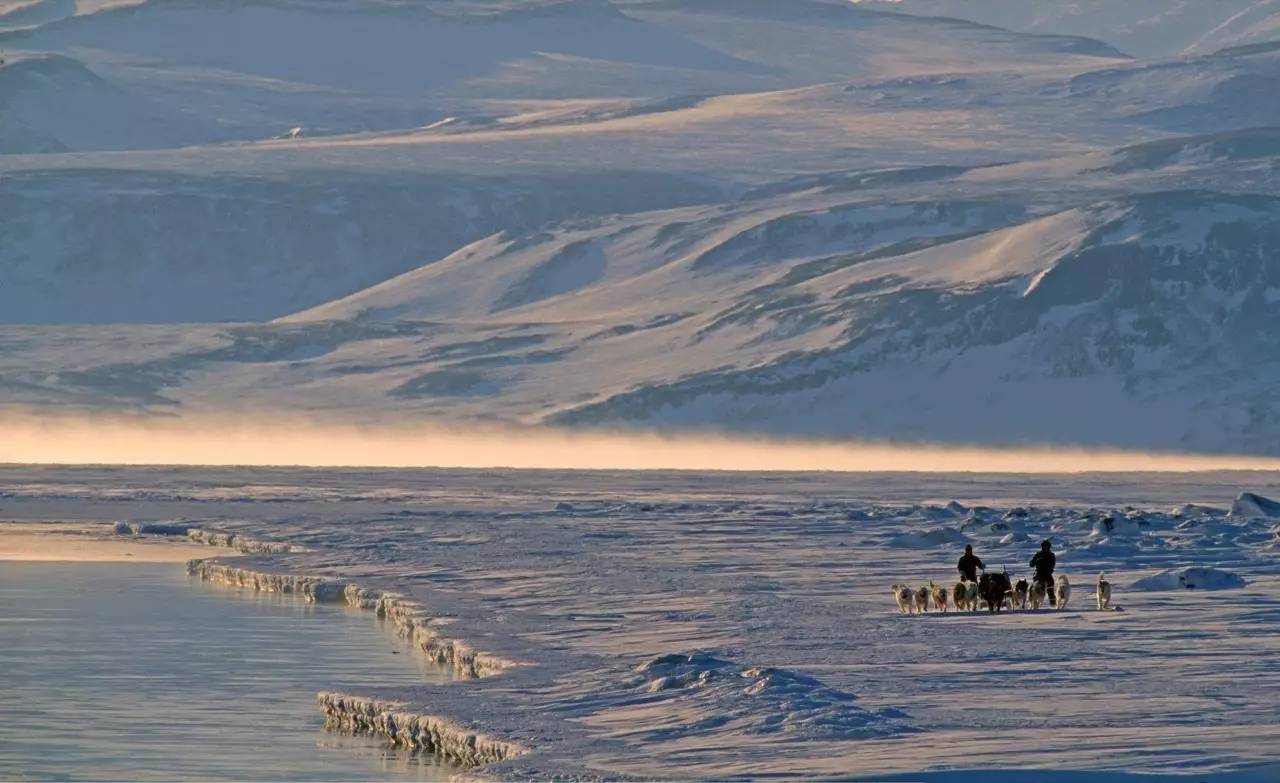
(135, 672)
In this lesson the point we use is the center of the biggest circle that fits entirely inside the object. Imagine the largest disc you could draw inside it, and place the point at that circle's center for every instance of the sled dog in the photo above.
(994, 589)
(1020, 589)
(903, 595)
(1104, 593)
(922, 600)
(1037, 594)
(939, 596)
(1064, 591)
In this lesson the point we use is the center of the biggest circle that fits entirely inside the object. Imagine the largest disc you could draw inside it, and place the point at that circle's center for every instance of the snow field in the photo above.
(701, 626)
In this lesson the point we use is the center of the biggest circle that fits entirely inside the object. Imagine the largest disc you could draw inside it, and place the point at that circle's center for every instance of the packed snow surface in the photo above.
(713, 626)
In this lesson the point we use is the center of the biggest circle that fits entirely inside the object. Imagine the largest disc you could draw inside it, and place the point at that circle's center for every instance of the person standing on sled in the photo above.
(969, 564)
(1044, 562)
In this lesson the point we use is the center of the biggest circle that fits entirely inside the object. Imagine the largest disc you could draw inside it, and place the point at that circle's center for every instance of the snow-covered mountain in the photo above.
(365, 65)
(630, 213)
(1144, 28)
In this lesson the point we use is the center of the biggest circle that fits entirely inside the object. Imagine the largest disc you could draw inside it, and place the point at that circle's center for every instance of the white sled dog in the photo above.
(1037, 594)
(939, 596)
(903, 595)
(1064, 591)
(1104, 593)
(922, 600)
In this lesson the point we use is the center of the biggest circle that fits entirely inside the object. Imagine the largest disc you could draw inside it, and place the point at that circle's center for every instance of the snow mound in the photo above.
(758, 700)
(924, 539)
(1249, 504)
(1109, 528)
(1193, 578)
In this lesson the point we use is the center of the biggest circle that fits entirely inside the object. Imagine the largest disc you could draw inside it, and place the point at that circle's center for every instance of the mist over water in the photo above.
(277, 440)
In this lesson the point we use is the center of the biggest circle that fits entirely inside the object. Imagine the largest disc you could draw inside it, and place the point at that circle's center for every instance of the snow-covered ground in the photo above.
(701, 625)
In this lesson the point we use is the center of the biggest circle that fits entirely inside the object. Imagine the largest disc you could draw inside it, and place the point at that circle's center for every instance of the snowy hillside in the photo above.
(22, 14)
(53, 103)
(811, 322)
(1258, 23)
(359, 65)
(99, 246)
(1144, 28)
(631, 213)
(1147, 320)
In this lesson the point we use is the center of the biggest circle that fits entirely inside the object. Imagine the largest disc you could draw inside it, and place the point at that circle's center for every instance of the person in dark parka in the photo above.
(969, 564)
(1044, 562)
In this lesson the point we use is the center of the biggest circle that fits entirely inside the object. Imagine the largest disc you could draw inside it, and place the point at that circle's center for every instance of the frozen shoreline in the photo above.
(733, 630)
(409, 618)
(87, 543)
(184, 678)
(428, 733)
(363, 715)
(118, 543)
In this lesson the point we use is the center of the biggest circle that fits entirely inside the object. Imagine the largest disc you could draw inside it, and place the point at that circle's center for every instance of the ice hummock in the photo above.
(1191, 578)
(928, 538)
(1252, 505)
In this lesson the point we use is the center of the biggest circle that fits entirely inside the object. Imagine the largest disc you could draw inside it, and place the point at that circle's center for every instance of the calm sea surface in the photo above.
(125, 672)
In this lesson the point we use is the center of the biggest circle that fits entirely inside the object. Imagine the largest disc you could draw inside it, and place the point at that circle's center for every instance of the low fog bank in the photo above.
(280, 441)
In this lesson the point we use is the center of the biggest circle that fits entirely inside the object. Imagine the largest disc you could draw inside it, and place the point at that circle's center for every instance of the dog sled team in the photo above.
(998, 591)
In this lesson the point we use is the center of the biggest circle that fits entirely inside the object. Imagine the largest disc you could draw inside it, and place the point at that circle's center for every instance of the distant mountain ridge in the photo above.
(1144, 28)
